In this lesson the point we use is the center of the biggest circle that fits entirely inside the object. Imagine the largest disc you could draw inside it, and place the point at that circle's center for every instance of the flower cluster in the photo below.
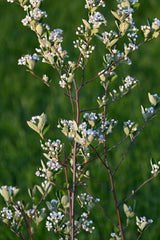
(46, 171)
(11, 1)
(142, 223)
(28, 60)
(8, 192)
(53, 149)
(101, 101)
(114, 236)
(87, 201)
(109, 38)
(51, 48)
(56, 35)
(65, 79)
(116, 57)
(33, 13)
(54, 220)
(34, 119)
(129, 82)
(151, 29)
(84, 48)
(156, 22)
(92, 128)
(132, 37)
(6, 213)
(90, 4)
(129, 127)
(96, 19)
(50, 41)
(86, 225)
(12, 214)
(155, 167)
(125, 11)
(38, 123)
(35, 3)
(147, 112)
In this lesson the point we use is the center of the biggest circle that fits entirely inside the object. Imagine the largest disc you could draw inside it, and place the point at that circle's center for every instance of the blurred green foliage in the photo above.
(22, 96)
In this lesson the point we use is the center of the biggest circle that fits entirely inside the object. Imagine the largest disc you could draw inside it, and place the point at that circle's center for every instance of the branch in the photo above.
(18, 234)
(51, 86)
(137, 189)
(124, 155)
(107, 215)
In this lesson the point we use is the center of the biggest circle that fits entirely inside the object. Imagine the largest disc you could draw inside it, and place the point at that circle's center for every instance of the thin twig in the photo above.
(20, 235)
(69, 193)
(124, 155)
(99, 107)
(51, 86)
(137, 189)
(140, 235)
(116, 145)
(106, 214)
(25, 220)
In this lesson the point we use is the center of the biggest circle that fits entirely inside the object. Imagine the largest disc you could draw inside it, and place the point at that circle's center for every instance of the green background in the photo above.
(22, 96)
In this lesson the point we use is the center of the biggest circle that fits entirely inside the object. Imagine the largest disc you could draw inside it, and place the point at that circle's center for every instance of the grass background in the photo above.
(22, 96)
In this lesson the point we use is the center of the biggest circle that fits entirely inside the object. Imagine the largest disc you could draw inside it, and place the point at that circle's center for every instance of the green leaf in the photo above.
(39, 189)
(87, 25)
(29, 192)
(111, 43)
(39, 219)
(46, 129)
(39, 29)
(152, 99)
(5, 194)
(15, 192)
(75, 125)
(31, 63)
(65, 201)
(126, 131)
(33, 126)
(155, 34)
(33, 24)
(116, 15)
(78, 139)
(43, 166)
(42, 122)
(136, 5)
(123, 28)
(128, 211)
(125, 4)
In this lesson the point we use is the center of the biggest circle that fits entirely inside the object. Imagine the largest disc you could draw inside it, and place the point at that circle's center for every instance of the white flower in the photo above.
(97, 19)
(157, 22)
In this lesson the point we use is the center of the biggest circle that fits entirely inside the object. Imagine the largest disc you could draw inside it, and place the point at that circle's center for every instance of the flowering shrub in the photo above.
(64, 174)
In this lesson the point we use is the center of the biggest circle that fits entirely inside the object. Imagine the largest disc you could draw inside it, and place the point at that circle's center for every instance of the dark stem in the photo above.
(69, 193)
(74, 166)
(140, 235)
(27, 222)
(109, 169)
